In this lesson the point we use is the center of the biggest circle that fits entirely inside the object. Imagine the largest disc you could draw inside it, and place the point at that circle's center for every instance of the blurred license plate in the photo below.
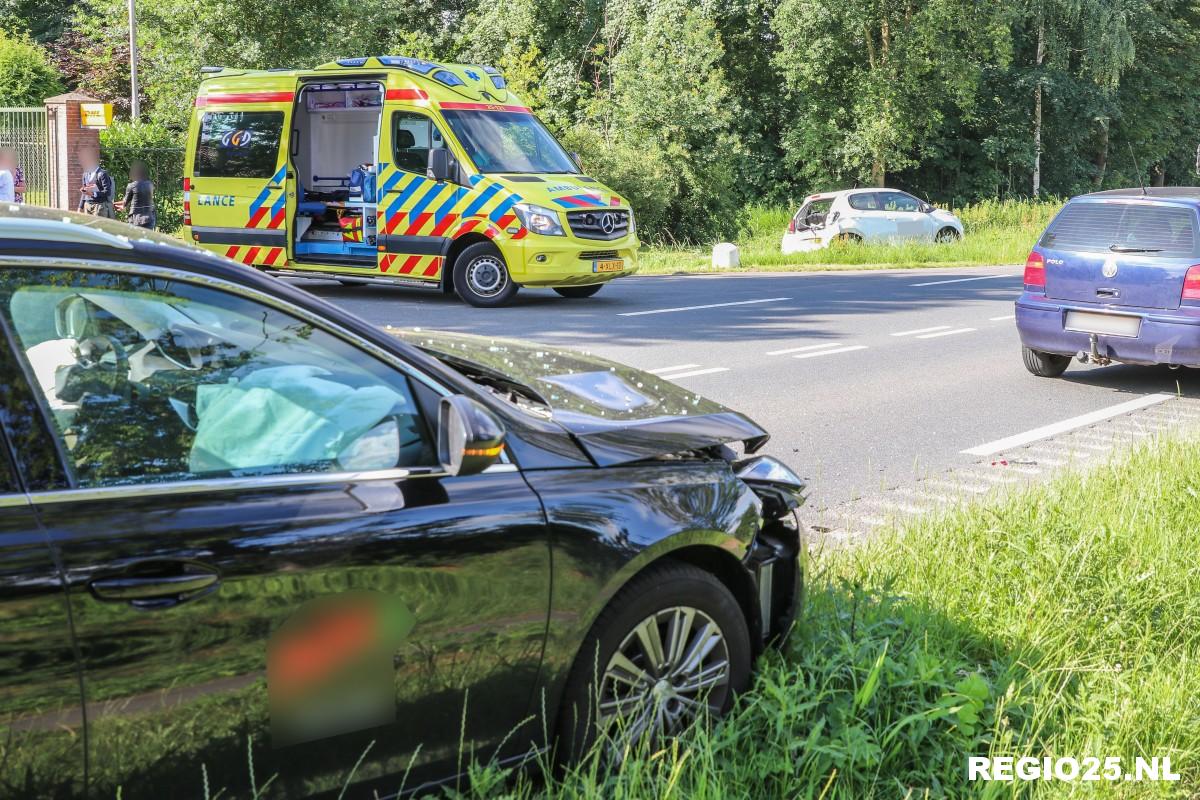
(1106, 324)
(613, 265)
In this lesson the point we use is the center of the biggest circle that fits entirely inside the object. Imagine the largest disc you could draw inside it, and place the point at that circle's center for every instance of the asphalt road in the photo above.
(865, 380)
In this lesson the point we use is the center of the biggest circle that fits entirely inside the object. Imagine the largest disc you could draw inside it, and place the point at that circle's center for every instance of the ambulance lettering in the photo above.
(226, 200)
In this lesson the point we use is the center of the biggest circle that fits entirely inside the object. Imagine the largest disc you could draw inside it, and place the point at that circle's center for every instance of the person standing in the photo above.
(18, 174)
(7, 183)
(138, 204)
(96, 193)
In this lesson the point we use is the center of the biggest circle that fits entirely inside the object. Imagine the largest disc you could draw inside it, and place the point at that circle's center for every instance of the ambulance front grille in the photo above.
(597, 255)
(600, 224)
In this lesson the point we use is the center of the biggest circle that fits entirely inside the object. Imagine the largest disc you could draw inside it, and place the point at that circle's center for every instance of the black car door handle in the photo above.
(156, 583)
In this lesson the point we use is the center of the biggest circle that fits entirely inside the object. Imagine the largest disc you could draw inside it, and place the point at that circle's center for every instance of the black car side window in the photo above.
(149, 380)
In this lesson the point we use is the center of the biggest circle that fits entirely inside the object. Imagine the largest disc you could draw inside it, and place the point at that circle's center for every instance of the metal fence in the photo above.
(24, 130)
(165, 166)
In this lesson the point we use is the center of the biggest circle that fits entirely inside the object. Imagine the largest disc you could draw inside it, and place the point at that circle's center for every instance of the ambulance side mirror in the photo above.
(439, 165)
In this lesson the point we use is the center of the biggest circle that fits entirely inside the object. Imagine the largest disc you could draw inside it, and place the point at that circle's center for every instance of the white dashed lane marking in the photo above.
(835, 351)
(804, 349)
(945, 333)
(698, 308)
(661, 370)
(922, 330)
(1046, 431)
(693, 373)
(963, 280)
(1003, 318)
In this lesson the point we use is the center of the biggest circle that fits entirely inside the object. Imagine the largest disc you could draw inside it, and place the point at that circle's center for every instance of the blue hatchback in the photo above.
(1115, 277)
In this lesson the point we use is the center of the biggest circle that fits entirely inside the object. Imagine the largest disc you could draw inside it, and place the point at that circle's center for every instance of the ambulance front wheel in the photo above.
(481, 277)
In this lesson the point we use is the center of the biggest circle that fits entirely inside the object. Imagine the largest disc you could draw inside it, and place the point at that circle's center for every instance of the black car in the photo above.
(248, 541)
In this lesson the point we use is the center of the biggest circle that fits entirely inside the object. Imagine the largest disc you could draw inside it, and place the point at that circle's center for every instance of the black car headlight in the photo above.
(780, 489)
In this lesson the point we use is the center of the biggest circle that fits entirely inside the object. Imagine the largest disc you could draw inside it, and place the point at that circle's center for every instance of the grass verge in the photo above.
(1064, 622)
(997, 232)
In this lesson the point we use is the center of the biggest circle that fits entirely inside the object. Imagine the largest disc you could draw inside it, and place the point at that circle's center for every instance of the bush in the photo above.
(26, 75)
(161, 150)
(639, 175)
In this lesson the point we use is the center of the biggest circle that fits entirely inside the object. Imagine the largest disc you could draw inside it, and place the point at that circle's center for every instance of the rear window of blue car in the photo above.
(1160, 230)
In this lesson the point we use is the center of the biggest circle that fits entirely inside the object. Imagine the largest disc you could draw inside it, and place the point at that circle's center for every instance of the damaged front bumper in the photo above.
(777, 557)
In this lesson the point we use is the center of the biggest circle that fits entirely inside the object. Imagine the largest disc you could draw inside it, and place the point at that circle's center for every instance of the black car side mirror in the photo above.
(439, 165)
(926, 208)
(470, 438)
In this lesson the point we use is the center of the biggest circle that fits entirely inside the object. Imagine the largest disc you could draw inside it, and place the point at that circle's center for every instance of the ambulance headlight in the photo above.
(539, 220)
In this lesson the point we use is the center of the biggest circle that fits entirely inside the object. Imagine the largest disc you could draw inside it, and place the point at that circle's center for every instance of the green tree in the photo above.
(660, 90)
(26, 75)
(871, 82)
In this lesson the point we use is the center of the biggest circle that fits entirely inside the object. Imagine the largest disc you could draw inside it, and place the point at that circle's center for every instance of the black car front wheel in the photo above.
(673, 646)
(1044, 365)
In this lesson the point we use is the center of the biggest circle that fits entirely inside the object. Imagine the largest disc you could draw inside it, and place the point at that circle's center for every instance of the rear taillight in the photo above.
(792, 225)
(1191, 285)
(187, 201)
(1035, 271)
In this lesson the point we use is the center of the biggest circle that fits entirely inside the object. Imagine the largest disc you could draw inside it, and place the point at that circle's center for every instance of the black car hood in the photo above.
(617, 413)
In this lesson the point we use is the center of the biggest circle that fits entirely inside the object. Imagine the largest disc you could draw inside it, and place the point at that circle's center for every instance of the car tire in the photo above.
(481, 276)
(1044, 365)
(577, 292)
(947, 235)
(651, 605)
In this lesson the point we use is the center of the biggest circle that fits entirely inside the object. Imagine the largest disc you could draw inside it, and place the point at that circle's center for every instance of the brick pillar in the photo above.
(66, 138)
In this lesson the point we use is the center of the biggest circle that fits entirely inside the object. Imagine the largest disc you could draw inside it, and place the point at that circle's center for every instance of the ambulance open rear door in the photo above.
(241, 191)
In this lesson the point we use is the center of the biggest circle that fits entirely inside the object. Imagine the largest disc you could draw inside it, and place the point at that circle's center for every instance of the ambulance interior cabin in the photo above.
(334, 145)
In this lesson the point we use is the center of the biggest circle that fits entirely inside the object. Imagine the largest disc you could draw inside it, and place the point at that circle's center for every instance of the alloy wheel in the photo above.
(670, 669)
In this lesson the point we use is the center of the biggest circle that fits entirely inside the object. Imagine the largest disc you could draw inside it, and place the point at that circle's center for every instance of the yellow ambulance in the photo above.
(388, 169)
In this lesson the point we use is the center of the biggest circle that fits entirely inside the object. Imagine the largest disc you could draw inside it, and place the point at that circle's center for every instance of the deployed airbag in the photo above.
(283, 416)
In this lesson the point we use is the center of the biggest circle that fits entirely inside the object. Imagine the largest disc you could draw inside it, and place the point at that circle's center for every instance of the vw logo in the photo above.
(1109, 270)
(608, 223)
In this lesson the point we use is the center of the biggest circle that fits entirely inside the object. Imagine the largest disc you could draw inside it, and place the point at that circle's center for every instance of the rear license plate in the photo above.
(1106, 324)
(615, 265)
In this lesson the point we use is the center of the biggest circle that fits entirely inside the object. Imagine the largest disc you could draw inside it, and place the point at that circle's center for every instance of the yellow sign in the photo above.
(95, 115)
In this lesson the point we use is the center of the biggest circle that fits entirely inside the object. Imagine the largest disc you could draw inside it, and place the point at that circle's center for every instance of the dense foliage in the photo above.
(26, 75)
(695, 108)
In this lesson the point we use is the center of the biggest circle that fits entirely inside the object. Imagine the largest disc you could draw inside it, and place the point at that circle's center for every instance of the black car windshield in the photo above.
(506, 141)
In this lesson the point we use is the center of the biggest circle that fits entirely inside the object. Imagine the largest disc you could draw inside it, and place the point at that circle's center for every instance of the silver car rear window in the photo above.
(1160, 230)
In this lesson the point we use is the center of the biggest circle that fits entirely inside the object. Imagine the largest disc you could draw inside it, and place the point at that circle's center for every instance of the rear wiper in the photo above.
(1117, 248)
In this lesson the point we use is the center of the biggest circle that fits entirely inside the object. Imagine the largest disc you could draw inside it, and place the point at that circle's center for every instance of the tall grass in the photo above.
(1065, 622)
(996, 232)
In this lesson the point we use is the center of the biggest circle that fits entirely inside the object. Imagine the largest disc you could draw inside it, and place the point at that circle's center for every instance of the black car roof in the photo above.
(53, 234)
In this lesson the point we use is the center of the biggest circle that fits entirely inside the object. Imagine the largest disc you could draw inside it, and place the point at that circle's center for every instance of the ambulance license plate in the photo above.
(614, 265)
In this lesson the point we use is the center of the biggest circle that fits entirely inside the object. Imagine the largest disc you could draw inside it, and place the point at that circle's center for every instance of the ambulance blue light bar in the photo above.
(498, 82)
(417, 65)
(352, 62)
(448, 78)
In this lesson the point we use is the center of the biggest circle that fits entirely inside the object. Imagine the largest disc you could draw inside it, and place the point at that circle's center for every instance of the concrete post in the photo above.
(66, 138)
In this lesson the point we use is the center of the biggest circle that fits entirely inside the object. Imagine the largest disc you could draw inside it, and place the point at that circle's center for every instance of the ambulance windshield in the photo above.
(506, 141)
